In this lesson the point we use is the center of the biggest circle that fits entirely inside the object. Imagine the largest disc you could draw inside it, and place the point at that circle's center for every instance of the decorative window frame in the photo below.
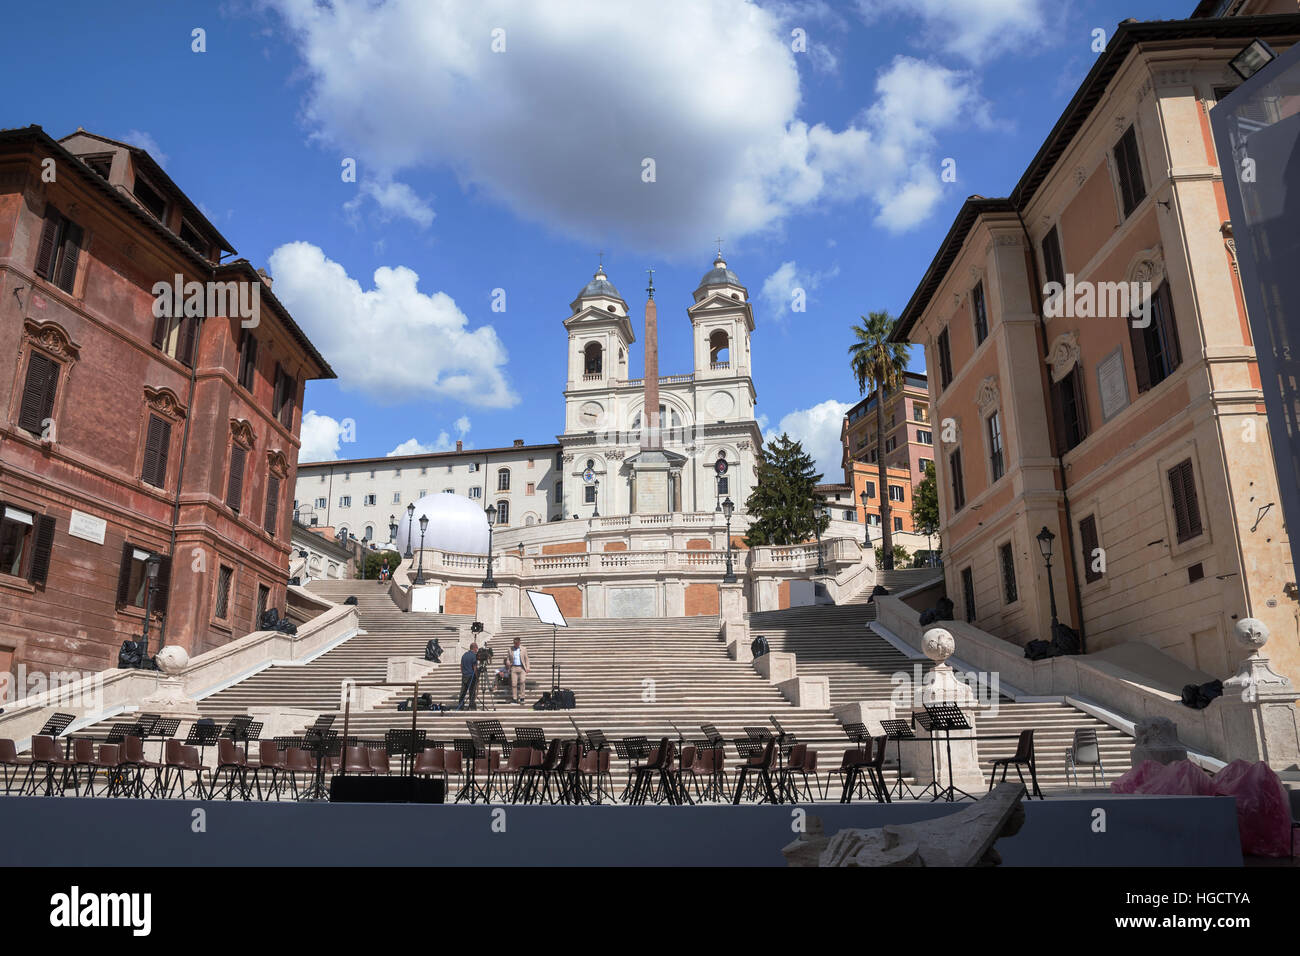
(1167, 460)
(52, 341)
(166, 404)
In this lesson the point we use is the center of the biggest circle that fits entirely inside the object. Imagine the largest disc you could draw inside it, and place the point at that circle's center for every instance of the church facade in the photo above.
(703, 430)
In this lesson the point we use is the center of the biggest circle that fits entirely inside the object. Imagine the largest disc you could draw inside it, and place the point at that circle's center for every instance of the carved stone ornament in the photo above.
(164, 401)
(242, 432)
(987, 394)
(615, 454)
(1148, 265)
(278, 463)
(1080, 176)
(1063, 354)
(51, 337)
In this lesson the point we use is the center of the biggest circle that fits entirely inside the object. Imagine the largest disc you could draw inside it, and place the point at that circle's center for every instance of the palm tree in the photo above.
(881, 364)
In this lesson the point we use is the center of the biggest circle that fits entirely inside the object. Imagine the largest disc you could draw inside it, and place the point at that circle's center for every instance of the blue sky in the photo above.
(501, 146)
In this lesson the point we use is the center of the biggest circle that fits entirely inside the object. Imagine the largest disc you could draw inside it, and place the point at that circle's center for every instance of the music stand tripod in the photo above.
(323, 745)
(898, 731)
(926, 723)
(948, 717)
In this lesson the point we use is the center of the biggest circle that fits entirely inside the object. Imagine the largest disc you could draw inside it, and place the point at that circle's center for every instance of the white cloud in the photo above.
(777, 294)
(145, 141)
(320, 437)
(818, 429)
(444, 442)
(557, 127)
(395, 201)
(975, 30)
(392, 341)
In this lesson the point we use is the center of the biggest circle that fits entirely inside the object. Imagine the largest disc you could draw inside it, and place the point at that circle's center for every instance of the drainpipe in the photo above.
(1060, 459)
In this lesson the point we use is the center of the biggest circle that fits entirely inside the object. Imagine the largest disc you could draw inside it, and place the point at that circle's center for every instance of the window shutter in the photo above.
(278, 401)
(40, 569)
(235, 488)
(162, 586)
(48, 245)
(71, 253)
(124, 574)
(272, 503)
(1058, 417)
(1088, 538)
(1080, 403)
(1190, 500)
(286, 411)
(185, 342)
(156, 445)
(1169, 326)
(159, 331)
(1141, 363)
(38, 393)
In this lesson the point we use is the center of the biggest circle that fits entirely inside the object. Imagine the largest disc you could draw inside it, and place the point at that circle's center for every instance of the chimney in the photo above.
(519, 443)
(460, 445)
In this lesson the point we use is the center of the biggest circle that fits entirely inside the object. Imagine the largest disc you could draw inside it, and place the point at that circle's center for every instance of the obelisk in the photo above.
(650, 424)
(650, 465)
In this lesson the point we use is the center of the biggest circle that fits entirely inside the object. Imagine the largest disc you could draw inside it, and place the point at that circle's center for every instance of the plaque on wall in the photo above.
(88, 527)
(1112, 384)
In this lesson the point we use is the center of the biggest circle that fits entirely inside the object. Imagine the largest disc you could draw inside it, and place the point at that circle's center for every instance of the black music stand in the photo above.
(923, 720)
(405, 744)
(857, 733)
(470, 751)
(164, 728)
(534, 737)
(203, 736)
(322, 745)
(947, 718)
(898, 731)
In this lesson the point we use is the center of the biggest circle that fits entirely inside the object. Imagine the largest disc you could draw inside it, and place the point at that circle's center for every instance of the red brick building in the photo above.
(128, 434)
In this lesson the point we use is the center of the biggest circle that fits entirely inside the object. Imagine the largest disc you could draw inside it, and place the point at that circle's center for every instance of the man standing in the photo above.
(468, 676)
(518, 668)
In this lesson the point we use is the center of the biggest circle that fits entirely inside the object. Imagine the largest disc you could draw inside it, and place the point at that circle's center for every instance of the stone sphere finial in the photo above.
(937, 644)
(172, 660)
(1251, 633)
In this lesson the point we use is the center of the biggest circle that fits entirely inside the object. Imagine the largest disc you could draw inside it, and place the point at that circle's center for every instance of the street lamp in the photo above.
(596, 511)
(728, 507)
(392, 529)
(489, 581)
(1045, 539)
(419, 572)
(151, 565)
(866, 525)
(817, 529)
(410, 528)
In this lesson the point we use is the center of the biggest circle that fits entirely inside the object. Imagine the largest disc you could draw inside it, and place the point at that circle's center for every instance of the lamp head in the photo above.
(424, 523)
(728, 507)
(151, 565)
(491, 514)
(1045, 539)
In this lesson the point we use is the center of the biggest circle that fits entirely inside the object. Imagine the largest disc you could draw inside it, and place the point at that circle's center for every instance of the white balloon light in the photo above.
(455, 524)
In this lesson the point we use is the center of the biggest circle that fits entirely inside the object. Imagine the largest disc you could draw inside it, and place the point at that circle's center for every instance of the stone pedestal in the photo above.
(407, 669)
(169, 698)
(869, 713)
(282, 721)
(487, 611)
(813, 692)
(1258, 706)
(943, 687)
(426, 598)
(776, 666)
(738, 649)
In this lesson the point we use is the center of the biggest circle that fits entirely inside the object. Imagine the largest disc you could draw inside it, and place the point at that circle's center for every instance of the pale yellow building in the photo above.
(1134, 431)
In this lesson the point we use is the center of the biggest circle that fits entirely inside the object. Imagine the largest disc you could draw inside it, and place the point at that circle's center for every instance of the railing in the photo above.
(719, 366)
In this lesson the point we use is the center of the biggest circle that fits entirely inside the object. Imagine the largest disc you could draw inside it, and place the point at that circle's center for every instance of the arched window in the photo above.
(591, 358)
(719, 348)
(503, 512)
(503, 479)
(370, 532)
(343, 533)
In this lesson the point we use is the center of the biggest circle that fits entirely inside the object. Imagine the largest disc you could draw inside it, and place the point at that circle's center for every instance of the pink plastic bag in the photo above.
(1182, 777)
(1131, 781)
(1263, 810)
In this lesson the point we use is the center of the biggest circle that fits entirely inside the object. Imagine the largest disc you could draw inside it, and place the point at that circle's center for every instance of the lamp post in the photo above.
(596, 511)
(817, 529)
(410, 528)
(728, 507)
(419, 571)
(1045, 539)
(866, 524)
(151, 565)
(489, 581)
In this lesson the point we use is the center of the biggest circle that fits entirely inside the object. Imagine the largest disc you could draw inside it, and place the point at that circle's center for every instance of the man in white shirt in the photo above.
(518, 657)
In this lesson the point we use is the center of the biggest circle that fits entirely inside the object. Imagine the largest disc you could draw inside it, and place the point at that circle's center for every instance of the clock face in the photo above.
(720, 466)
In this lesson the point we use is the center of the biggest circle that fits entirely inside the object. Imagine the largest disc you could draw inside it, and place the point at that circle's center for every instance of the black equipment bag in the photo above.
(132, 656)
(758, 647)
(433, 651)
